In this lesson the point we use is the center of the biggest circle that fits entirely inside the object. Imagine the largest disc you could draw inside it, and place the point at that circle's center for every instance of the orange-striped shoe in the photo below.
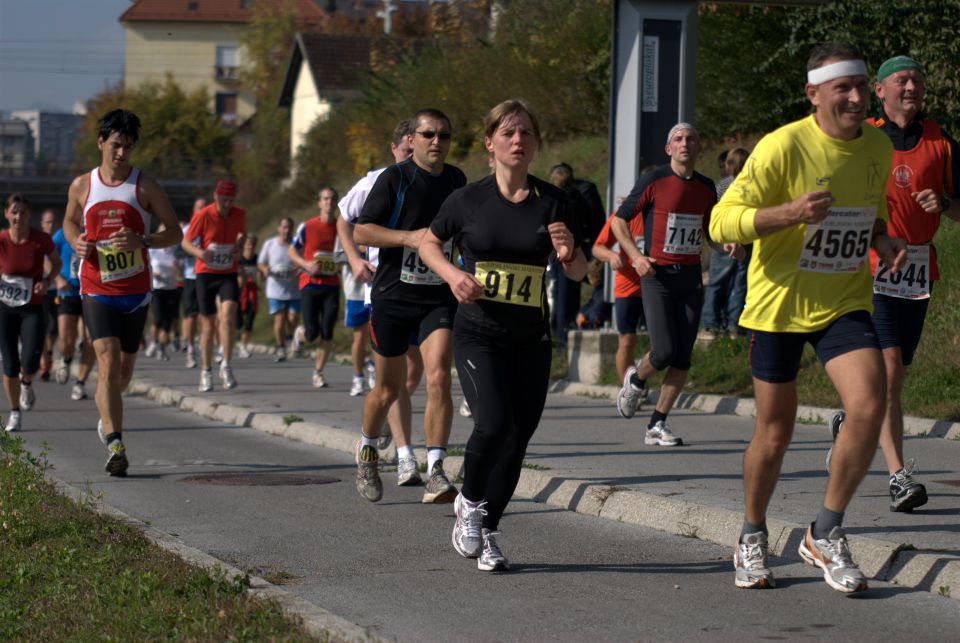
(832, 555)
(750, 562)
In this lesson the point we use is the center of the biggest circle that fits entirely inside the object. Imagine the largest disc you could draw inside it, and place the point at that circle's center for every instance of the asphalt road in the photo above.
(390, 566)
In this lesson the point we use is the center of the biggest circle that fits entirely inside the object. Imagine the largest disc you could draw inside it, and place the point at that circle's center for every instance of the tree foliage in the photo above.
(752, 60)
(558, 61)
(181, 136)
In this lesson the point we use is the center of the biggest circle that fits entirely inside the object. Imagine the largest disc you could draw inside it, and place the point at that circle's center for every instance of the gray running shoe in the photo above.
(368, 477)
(78, 392)
(661, 435)
(63, 372)
(383, 442)
(438, 489)
(906, 494)
(206, 381)
(27, 397)
(117, 463)
(318, 380)
(468, 528)
(13, 422)
(407, 473)
(832, 555)
(226, 375)
(836, 423)
(750, 562)
(491, 558)
(628, 398)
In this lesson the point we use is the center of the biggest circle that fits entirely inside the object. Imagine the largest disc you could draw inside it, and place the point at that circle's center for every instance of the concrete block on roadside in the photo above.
(138, 387)
(233, 414)
(165, 395)
(198, 405)
(567, 494)
(532, 483)
(912, 568)
(268, 423)
(947, 581)
(872, 556)
(590, 353)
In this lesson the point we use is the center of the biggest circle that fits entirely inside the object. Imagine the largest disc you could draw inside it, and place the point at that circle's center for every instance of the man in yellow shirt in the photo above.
(812, 200)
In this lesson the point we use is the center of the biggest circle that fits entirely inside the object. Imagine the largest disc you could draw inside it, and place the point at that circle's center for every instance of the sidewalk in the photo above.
(585, 458)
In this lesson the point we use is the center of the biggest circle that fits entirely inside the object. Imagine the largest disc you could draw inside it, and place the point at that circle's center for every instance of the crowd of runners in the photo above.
(836, 213)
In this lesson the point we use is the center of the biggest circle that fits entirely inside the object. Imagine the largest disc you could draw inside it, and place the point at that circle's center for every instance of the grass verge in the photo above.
(69, 573)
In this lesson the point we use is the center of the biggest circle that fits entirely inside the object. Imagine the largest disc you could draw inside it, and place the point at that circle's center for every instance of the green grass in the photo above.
(68, 573)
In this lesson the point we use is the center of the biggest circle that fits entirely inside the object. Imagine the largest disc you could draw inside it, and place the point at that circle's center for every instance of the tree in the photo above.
(181, 136)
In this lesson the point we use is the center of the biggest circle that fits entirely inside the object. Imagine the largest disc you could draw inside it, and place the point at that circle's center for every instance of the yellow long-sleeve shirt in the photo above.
(802, 278)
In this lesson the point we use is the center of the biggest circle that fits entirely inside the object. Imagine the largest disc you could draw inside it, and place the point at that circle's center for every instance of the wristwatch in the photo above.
(145, 239)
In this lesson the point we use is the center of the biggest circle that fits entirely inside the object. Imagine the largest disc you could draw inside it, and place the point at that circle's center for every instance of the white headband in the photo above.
(836, 70)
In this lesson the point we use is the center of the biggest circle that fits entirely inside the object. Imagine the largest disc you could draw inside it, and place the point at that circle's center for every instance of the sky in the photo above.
(56, 52)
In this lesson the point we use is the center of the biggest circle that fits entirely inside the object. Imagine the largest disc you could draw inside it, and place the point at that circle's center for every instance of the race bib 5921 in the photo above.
(15, 290)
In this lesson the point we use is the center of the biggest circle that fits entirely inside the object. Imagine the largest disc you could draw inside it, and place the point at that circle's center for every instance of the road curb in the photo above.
(317, 621)
(746, 407)
(879, 559)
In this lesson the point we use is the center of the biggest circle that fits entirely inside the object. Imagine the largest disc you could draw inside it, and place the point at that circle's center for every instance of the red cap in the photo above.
(226, 188)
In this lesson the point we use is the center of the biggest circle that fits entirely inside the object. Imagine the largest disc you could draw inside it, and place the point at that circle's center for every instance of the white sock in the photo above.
(434, 455)
(367, 442)
(404, 452)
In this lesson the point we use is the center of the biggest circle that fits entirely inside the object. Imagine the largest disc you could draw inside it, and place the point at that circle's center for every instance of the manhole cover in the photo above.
(254, 479)
(952, 483)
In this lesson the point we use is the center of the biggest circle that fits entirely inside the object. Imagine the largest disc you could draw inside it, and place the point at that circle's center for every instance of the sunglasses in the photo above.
(430, 135)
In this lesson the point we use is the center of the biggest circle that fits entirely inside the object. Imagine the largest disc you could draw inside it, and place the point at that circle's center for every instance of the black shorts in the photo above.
(21, 338)
(70, 305)
(50, 312)
(392, 323)
(210, 287)
(629, 314)
(165, 307)
(320, 308)
(104, 321)
(775, 357)
(899, 323)
(189, 298)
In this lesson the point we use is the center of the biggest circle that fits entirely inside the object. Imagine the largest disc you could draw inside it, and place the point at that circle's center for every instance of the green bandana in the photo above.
(895, 64)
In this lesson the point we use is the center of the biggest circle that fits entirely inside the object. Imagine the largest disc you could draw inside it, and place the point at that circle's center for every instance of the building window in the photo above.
(228, 62)
(227, 107)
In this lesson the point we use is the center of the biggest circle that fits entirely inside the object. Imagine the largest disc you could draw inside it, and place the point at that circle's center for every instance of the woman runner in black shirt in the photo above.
(505, 226)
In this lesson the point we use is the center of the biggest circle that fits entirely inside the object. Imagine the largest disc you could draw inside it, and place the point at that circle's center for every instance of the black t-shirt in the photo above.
(406, 197)
(506, 246)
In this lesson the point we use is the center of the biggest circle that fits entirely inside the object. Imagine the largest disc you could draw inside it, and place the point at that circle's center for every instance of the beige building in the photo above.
(197, 43)
(323, 69)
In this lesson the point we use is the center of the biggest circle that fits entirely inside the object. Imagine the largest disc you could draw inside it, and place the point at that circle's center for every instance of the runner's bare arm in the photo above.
(55, 265)
(362, 269)
(73, 216)
(371, 234)
(621, 230)
(891, 250)
(463, 285)
(808, 208)
(603, 253)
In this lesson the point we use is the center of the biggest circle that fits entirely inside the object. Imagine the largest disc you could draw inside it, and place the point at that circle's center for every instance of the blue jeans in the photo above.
(726, 293)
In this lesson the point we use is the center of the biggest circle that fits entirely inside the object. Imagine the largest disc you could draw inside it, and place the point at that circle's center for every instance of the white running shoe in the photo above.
(27, 397)
(78, 393)
(371, 374)
(151, 350)
(13, 422)
(281, 355)
(408, 473)
(750, 563)
(226, 375)
(357, 387)
(218, 357)
(318, 380)
(162, 355)
(491, 558)
(243, 352)
(468, 527)
(296, 344)
(465, 409)
(191, 361)
(628, 397)
(63, 371)
(661, 435)
(206, 381)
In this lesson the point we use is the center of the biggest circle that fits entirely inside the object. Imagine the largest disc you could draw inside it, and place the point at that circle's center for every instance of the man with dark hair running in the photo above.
(409, 298)
(812, 200)
(107, 222)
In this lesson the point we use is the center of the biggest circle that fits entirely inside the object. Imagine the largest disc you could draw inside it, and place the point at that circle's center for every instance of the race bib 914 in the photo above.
(510, 283)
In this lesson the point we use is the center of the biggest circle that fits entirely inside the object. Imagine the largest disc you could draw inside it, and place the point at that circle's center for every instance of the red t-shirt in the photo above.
(316, 239)
(626, 283)
(22, 267)
(210, 231)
